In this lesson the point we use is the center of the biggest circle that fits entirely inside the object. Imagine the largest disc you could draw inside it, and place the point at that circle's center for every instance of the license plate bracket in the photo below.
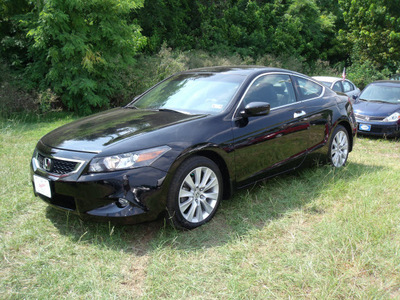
(42, 186)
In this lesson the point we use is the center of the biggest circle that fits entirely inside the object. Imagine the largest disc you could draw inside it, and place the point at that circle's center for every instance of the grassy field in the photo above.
(317, 233)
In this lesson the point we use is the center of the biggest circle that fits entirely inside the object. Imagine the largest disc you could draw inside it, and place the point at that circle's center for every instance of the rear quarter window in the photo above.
(337, 87)
(306, 88)
(347, 86)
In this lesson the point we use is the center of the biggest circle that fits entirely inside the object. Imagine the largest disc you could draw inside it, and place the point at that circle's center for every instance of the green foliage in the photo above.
(251, 28)
(13, 97)
(374, 30)
(167, 20)
(144, 73)
(81, 49)
(13, 40)
(83, 52)
(246, 27)
(366, 72)
(46, 100)
(334, 49)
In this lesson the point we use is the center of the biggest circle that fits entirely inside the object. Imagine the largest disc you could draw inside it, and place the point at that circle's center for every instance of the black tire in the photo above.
(339, 147)
(195, 193)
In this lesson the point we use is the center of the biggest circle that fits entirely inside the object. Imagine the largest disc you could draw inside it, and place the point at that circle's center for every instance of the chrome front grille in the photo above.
(368, 118)
(56, 166)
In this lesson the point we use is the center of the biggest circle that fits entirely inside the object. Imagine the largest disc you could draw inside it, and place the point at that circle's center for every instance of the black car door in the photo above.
(317, 110)
(266, 145)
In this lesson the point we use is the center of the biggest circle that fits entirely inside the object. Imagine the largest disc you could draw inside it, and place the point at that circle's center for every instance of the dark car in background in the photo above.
(190, 141)
(377, 110)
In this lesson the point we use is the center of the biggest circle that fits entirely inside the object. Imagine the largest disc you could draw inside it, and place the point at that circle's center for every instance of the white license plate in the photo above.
(42, 186)
(364, 127)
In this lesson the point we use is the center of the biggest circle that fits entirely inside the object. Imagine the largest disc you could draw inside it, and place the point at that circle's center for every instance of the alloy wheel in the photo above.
(339, 149)
(198, 194)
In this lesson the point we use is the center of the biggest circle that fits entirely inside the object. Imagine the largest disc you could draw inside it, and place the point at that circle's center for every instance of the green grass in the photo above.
(316, 233)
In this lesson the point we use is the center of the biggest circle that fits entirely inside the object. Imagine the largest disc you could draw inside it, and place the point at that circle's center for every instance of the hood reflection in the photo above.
(94, 133)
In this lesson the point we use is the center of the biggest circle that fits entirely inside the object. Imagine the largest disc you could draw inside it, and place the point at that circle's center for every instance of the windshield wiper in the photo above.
(379, 101)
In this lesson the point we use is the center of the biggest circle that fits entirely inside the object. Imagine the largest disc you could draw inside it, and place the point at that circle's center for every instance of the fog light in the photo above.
(122, 202)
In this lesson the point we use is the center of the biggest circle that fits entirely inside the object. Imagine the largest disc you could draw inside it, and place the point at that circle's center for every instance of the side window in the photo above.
(307, 89)
(347, 86)
(277, 90)
(337, 87)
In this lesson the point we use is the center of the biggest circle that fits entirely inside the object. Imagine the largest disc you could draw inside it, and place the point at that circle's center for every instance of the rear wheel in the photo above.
(195, 193)
(339, 147)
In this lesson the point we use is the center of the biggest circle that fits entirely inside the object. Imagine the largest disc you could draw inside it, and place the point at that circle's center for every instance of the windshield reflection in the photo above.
(380, 93)
(192, 93)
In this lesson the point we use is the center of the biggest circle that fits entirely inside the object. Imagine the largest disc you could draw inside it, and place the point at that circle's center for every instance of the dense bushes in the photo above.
(147, 71)
(81, 49)
(92, 54)
(374, 30)
(246, 27)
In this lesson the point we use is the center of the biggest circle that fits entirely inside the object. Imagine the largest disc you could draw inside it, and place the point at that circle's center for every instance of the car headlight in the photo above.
(392, 118)
(127, 160)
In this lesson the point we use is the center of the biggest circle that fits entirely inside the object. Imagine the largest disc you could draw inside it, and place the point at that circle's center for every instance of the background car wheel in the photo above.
(195, 193)
(339, 147)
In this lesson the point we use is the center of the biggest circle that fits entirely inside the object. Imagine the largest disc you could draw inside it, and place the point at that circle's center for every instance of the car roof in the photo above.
(386, 82)
(327, 78)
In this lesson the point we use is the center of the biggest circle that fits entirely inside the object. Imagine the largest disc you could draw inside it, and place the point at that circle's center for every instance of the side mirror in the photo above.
(254, 109)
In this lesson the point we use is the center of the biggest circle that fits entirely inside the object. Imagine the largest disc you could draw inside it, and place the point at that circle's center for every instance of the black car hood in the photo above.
(97, 132)
(377, 109)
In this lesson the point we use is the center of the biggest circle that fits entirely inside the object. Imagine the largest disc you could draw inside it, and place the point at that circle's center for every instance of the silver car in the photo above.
(339, 85)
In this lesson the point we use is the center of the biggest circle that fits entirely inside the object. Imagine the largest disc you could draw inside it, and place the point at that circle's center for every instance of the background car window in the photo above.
(307, 89)
(347, 86)
(337, 87)
(277, 90)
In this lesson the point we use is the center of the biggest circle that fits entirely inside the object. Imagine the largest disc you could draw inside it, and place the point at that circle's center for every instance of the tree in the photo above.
(80, 48)
(13, 41)
(167, 20)
(301, 30)
(374, 31)
(247, 27)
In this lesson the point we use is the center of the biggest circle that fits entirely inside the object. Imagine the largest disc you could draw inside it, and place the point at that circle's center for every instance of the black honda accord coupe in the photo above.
(190, 141)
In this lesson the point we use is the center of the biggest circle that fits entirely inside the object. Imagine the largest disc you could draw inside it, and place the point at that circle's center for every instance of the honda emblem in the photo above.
(47, 164)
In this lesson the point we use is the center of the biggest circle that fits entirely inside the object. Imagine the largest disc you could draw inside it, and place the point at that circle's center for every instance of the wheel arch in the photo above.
(347, 126)
(217, 159)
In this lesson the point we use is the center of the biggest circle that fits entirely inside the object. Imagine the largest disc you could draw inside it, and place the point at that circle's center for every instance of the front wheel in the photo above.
(195, 193)
(339, 147)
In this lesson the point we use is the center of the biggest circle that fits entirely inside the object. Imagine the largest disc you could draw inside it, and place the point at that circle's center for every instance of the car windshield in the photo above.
(192, 93)
(381, 93)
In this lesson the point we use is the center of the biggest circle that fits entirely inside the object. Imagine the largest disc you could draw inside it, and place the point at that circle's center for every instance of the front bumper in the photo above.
(387, 129)
(98, 196)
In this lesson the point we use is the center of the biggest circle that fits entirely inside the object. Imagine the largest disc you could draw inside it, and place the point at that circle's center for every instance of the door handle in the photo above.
(299, 114)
